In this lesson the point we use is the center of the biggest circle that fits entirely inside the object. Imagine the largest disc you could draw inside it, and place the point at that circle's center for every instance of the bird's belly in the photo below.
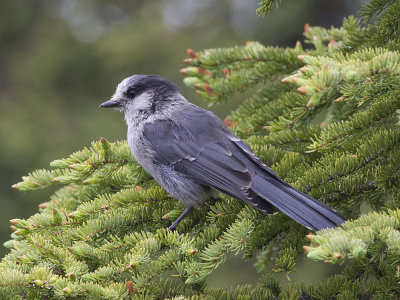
(178, 185)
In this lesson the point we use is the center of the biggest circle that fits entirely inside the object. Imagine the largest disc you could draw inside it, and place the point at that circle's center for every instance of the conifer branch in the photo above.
(102, 233)
(265, 6)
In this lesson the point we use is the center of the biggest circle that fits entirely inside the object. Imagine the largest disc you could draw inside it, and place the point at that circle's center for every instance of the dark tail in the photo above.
(302, 208)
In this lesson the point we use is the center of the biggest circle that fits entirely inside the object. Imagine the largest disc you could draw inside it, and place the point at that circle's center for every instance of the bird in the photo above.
(191, 153)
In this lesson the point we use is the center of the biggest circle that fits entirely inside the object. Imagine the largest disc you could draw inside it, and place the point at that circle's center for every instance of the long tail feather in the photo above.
(302, 208)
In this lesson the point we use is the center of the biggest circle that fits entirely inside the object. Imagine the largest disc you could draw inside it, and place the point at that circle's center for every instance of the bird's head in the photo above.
(142, 94)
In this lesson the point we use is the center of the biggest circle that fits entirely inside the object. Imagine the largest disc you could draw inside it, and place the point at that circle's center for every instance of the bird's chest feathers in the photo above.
(141, 149)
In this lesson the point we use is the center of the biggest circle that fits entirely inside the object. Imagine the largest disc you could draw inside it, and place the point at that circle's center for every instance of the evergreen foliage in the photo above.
(325, 119)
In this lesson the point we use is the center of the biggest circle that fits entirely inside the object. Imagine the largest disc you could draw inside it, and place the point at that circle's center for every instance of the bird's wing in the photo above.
(199, 145)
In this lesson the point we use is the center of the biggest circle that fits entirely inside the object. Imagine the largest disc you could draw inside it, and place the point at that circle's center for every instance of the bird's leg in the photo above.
(175, 224)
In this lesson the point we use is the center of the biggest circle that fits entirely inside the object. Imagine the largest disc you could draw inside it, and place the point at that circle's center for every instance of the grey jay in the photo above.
(190, 152)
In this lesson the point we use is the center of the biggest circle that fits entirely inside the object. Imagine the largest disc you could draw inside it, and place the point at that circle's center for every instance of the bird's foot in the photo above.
(176, 223)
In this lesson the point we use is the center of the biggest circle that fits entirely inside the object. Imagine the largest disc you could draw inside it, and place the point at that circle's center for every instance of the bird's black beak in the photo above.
(111, 103)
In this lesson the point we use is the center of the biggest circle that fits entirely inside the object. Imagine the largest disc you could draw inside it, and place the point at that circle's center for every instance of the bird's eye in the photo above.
(131, 93)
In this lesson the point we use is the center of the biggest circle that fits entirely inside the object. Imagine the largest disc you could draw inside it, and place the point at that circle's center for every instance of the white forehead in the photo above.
(123, 86)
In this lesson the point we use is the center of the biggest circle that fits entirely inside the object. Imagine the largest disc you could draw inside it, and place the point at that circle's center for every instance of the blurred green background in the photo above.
(61, 58)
